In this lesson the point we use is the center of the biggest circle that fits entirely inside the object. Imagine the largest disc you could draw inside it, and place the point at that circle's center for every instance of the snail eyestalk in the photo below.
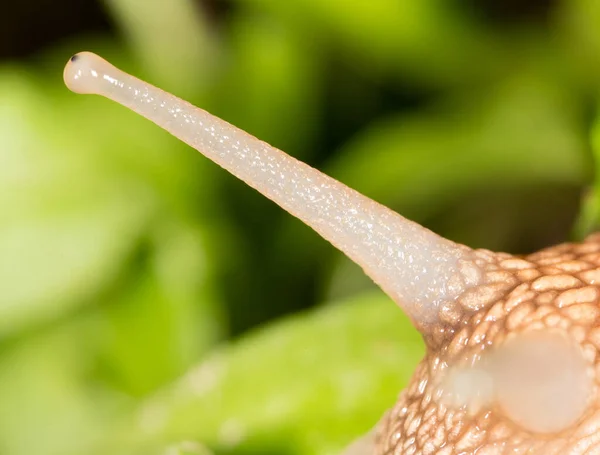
(418, 269)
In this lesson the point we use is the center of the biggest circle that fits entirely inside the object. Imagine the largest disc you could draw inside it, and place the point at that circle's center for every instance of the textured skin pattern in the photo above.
(556, 288)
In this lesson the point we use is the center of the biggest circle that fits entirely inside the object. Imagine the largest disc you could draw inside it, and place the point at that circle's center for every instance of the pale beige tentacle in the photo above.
(420, 270)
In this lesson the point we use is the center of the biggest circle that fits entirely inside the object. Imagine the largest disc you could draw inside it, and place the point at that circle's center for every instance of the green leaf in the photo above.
(427, 40)
(270, 87)
(577, 25)
(64, 232)
(307, 385)
(81, 187)
(164, 317)
(183, 55)
(589, 217)
(48, 404)
(522, 132)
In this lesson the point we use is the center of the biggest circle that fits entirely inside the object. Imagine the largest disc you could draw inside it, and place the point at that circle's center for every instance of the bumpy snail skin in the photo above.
(536, 348)
(512, 342)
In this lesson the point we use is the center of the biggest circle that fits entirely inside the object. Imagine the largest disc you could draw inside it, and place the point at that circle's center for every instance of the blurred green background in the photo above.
(152, 304)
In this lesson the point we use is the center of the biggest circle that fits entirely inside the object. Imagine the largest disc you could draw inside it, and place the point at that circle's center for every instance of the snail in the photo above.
(512, 362)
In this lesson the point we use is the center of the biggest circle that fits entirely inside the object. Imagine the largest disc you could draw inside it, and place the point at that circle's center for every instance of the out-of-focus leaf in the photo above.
(428, 40)
(308, 385)
(523, 132)
(77, 377)
(577, 24)
(181, 448)
(80, 187)
(270, 87)
(164, 317)
(50, 264)
(182, 56)
(589, 218)
(118, 144)
(48, 404)
(63, 232)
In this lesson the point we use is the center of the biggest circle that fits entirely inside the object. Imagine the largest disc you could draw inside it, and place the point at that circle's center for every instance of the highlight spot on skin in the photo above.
(78, 72)
(468, 387)
(539, 380)
(542, 381)
(86, 73)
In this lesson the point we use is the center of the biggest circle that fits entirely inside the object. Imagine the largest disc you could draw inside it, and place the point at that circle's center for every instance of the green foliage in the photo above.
(282, 386)
(131, 268)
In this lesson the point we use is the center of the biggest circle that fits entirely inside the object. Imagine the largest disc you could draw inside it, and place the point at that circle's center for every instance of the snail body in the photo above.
(512, 342)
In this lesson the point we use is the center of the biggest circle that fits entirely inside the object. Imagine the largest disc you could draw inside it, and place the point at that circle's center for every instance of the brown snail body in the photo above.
(512, 343)
(556, 289)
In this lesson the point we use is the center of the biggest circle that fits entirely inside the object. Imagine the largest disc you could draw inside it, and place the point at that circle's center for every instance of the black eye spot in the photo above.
(74, 58)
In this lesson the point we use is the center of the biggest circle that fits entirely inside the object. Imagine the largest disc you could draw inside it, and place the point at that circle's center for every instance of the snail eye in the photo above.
(541, 381)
